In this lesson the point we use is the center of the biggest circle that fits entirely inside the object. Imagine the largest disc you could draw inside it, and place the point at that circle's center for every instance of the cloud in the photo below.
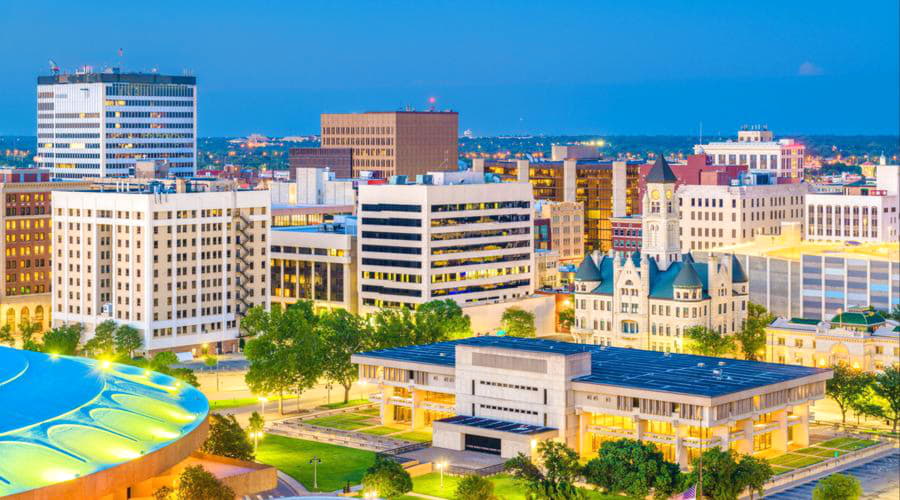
(809, 69)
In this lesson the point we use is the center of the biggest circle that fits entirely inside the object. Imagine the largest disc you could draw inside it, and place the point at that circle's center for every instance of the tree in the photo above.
(283, 351)
(726, 474)
(893, 314)
(887, 387)
(634, 468)
(387, 477)
(846, 386)
(708, 342)
(103, 343)
(256, 426)
(754, 473)
(566, 318)
(752, 337)
(557, 480)
(27, 330)
(62, 340)
(392, 328)
(838, 487)
(342, 334)
(474, 487)
(195, 483)
(518, 322)
(6, 336)
(227, 439)
(439, 320)
(127, 340)
(162, 362)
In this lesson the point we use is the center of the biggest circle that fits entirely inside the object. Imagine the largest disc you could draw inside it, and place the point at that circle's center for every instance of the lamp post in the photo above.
(315, 461)
(262, 404)
(441, 466)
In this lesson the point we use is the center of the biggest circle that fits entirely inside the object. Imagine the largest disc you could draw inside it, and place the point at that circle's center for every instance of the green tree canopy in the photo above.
(195, 483)
(387, 477)
(708, 342)
(887, 387)
(439, 320)
(634, 468)
(62, 340)
(6, 336)
(342, 334)
(284, 351)
(838, 487)
(474, 487)
(518, 322)
(103, 343)
(726, 474)
(846, 386)
(127, 340)
(27, 330)
(392, 328)
(752, 337)
(556, 481)
(754, 473)
(567, 318)
(227, 439)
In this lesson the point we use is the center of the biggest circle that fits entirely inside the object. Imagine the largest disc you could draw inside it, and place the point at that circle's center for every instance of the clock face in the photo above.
(669, 194)
(654, 194)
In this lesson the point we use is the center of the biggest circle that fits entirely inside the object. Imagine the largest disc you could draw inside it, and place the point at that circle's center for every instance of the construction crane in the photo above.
(54, 68)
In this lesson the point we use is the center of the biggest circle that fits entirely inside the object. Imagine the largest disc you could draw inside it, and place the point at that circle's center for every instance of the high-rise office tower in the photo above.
(395, 142)
(101, 124)
(180, 262)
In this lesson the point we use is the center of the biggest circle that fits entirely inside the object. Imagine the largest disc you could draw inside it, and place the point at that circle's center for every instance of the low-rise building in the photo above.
(448, 235)
(757, 148)
(181, 262)
(316, 263)
(546, 270)
(627, 233)
(337, 160)
(860, 338)
(501, 395)
(716, 213)
(566, 227)
(860, 213)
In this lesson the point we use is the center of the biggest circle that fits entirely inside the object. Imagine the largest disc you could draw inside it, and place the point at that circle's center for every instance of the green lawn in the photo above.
(381, 430)
(339, 463)
(344, 421)
(847, 443)
(780, 470)
(418, 436)
(352, 402)
(224, 404)
(505, 487)
(794, 461)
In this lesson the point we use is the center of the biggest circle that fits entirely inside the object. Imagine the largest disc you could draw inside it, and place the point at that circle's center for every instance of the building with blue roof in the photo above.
(502, 395)
(649, 299)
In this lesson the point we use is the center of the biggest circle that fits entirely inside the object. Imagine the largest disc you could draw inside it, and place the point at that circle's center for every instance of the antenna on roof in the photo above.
(54, 68)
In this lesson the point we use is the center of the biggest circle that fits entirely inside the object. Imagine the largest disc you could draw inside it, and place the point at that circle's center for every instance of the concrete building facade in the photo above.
(451, 235)
(395, 142)
(860, 213)
(566, 228)
(180, 262)
(757, 148)
(502, 395)
(102, 124)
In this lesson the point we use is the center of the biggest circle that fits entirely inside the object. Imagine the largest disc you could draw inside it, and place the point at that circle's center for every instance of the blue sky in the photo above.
(598, 67)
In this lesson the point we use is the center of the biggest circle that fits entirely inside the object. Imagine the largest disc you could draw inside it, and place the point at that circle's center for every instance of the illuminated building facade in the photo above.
(602, 187)
(101, 124)
(757, 148)
(451, 235)
(27, 246)
(180, 262)
(395, 142)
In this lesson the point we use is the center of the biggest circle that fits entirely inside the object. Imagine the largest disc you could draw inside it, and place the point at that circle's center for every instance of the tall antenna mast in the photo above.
(701, 132)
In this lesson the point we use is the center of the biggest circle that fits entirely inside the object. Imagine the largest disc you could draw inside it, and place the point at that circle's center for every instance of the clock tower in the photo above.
(661, 240)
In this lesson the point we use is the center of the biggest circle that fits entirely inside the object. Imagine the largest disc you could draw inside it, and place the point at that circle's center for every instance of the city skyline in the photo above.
(579, 68)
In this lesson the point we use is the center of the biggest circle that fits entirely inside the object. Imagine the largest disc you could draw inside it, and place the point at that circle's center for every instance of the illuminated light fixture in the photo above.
(164, 434)
(54, 355)
(59, 475)
(125, 454)
(105, 365)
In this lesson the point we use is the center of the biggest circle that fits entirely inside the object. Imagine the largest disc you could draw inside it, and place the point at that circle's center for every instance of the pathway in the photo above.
(879, 480)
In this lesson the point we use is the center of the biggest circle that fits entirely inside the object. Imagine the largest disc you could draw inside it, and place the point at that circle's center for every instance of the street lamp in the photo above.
(441, 466)
(370, 494)
(262, 404)
(315, 461)
(256, 436)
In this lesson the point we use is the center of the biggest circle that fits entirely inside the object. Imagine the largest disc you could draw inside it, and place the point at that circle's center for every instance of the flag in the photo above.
(689, 494)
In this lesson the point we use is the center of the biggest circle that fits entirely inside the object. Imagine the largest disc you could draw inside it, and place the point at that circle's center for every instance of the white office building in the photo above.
(449, 235)
(102, 124)
(757, 148)
(861, 213)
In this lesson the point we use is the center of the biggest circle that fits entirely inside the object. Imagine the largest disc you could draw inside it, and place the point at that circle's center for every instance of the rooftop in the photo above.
(497, 425)
(784, 248)
(650, 370)
(66, 417)
(113, 77)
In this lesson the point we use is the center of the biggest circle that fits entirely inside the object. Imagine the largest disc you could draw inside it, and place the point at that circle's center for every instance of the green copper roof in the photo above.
(587, 271)
(867, 318)
(661, 172)
(805, 321)
(687, 277)
(737, 271)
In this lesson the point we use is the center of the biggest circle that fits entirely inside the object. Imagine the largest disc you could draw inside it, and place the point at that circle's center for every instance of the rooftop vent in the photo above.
(717, 372)
(701, 365)
(721, 363)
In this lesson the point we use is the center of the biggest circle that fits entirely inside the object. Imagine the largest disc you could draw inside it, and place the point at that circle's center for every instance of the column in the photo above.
(570, 179)
(387, 409)
(801, 428)
(619, 181)
(418, 413)
(583, 442)
(780, 434)
(478, 165)
(523, 170)
(681, 454)
(746, 445)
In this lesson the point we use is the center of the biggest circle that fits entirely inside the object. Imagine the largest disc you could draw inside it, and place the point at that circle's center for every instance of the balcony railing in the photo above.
(611, 431)
(432, 405)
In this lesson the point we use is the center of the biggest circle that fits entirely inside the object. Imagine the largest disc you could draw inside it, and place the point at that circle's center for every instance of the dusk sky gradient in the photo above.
(573, 67)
